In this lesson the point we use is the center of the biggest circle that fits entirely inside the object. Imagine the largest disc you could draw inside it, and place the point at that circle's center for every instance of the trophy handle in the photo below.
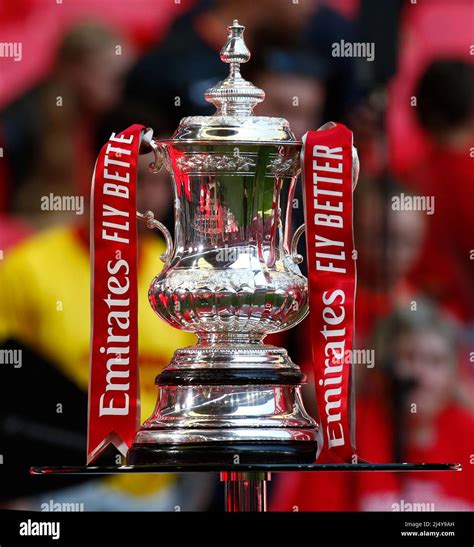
(148, 217)
(295, 256)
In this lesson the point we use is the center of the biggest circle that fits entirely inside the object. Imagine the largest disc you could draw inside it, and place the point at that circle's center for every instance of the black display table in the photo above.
(245, 484)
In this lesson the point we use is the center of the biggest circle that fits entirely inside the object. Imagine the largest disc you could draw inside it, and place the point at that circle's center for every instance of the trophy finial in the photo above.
(235, 50)
(234, 95)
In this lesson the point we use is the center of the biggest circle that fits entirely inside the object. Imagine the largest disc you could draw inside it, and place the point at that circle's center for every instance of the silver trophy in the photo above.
(231, 276)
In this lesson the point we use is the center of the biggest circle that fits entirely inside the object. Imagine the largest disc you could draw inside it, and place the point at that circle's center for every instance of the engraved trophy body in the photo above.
(231, 276)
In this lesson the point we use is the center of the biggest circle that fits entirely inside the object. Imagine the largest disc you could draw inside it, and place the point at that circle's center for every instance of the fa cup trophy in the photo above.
(232, 277)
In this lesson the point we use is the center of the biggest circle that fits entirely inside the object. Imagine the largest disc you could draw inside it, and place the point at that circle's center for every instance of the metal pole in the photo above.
(245, 490)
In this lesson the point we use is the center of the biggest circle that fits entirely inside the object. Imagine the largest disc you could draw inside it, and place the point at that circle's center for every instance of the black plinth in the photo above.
(224, 453)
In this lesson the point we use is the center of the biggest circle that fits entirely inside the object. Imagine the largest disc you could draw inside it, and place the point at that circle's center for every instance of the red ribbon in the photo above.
(327, 176)
(114, 402)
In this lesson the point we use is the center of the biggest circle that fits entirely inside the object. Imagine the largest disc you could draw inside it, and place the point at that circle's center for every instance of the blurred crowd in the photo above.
(106, 65)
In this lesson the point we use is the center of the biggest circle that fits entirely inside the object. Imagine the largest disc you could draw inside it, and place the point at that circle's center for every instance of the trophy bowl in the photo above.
(231, 276)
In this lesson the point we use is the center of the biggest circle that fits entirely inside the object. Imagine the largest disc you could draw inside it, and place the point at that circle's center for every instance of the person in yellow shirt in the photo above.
(45, 315)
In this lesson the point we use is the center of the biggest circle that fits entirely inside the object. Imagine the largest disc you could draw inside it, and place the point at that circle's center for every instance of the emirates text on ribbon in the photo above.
(118, 283)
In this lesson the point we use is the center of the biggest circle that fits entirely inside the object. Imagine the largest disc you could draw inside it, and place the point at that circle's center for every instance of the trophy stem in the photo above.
(245, 491)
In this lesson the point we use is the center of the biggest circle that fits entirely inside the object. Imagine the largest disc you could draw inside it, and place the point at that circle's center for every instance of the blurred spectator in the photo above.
(445, 96)
(388, 242)
(160, 81)
(367, 122)
(45, 313)
(413, 414)
(378, 23)
(39, 26)
(295, 88)
(427, 31)
(48, 133)
(445, 111)
(416, 413)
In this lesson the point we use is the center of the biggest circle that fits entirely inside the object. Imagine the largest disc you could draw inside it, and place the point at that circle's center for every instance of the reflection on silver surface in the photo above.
(229, 406)
(230, 271)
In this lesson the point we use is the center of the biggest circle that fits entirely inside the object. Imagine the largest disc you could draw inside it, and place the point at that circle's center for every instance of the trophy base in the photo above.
(228, 404)
(235, 453)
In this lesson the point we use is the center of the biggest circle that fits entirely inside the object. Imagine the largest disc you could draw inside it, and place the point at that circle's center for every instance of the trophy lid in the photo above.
(234, 99)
